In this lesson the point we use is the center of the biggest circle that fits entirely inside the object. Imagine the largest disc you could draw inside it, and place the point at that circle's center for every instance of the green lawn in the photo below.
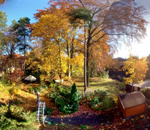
(111, 86)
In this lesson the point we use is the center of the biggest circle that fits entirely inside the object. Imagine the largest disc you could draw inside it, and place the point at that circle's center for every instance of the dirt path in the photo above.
(84, 116)
(100, 120)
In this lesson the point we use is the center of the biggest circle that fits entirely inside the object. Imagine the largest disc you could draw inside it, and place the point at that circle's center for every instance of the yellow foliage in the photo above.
(77, 64)
(136, 68)
(56, 52)
(14, 91)
(49, 63)
(50, 25)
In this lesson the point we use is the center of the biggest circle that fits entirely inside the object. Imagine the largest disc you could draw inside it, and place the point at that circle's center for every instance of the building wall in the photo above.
(134, 110)
(120, 105)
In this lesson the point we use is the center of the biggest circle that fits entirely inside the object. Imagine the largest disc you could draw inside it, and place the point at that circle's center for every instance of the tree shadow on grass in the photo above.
(103, 84)
(27, 103)
(80, 86)
(99, 85)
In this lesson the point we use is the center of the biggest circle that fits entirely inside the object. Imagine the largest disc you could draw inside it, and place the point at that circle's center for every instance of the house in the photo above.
(9, 64)
(132, 104)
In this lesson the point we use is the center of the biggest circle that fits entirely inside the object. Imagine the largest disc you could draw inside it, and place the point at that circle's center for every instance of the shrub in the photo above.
(63, 105)
(17, 101)
(52, 84)
(67, 101)
(14, 90)
(30, 89)
(16, 76)
(146, 92)
(107, 103)
(101, 94)
(43, 86)
(48, 111)
(50, 122)
(5, 79)
(12, 117)
(3, 88)
(103, 75)
(122, 87)
(37, 89)
(54, 94)
(83, 127)
(74, 98)
(99, 100)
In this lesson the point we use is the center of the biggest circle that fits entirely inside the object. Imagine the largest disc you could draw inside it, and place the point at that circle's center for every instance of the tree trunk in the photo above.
(132, 88)
(24, 66)
(69, 65)
(71, 55)
(60, 69)
(24, 45)
(87, 65)
(85, 61)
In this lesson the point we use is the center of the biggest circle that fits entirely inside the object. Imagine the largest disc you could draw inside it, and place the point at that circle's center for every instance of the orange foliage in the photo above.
(136, 68)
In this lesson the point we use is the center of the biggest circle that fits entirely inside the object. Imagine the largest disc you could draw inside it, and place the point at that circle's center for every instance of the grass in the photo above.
(29, 100)
(21, 97)
(109, 85)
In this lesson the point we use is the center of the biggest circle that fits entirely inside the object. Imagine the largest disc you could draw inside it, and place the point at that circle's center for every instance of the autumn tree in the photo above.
(3, 20)
(115, 68)
(46, 61)
(118, 19)
(100, 56)
(51, 27)
(9, 43)
(74, 52)
(148, 59)
(148, 63)
(57, 45)
(135, 69)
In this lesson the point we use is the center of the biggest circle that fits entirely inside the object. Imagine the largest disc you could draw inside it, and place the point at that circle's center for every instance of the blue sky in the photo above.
(22, 8)
(26, 8)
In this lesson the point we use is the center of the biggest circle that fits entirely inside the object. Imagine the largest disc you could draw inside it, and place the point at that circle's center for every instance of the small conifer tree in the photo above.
(74, 98)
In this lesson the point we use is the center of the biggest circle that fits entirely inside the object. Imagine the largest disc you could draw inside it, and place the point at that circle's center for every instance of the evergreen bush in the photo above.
(48, 111)
(107, 103)
(12, 117)
(66, 100)
(100, 100)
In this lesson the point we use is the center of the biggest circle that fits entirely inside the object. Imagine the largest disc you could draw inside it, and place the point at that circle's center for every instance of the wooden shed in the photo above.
(132, 104)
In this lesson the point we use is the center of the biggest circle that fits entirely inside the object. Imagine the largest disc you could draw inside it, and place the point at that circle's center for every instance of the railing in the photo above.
(40, 115)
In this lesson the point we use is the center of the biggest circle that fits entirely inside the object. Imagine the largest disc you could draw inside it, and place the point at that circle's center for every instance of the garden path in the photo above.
(101, 120)
(84, 116)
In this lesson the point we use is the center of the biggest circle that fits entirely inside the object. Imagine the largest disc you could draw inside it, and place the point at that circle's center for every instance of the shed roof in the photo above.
(132, 99)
